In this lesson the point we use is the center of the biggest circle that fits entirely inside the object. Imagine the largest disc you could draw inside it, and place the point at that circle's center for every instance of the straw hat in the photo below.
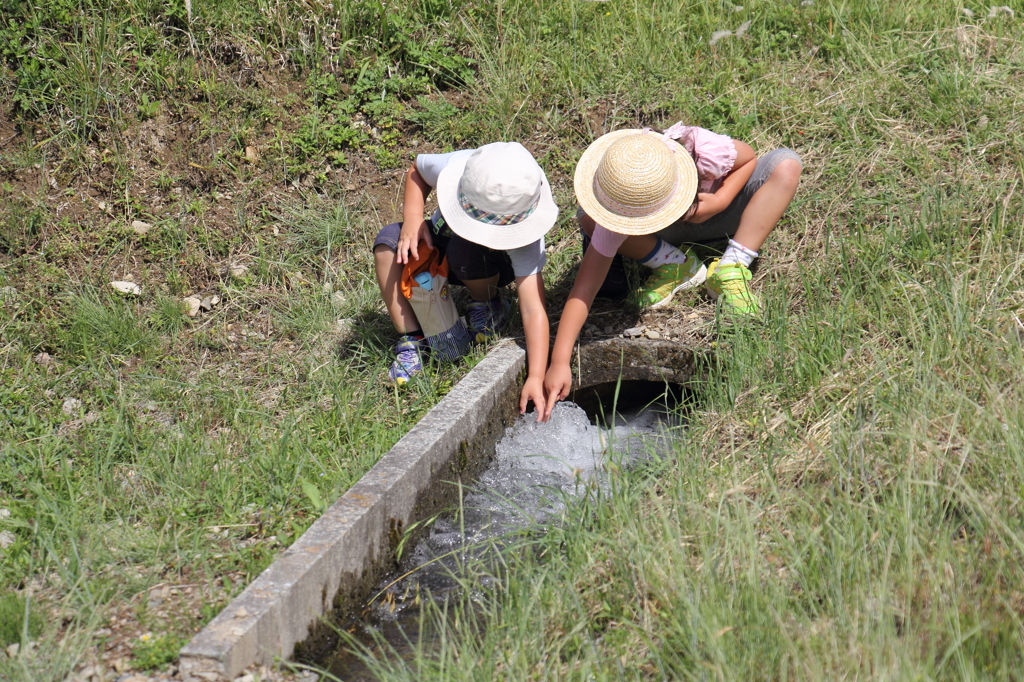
(498, 197)
(635, 182)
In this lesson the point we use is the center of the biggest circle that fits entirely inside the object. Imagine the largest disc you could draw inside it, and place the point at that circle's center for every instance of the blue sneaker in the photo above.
(408, 362)
(487, 318)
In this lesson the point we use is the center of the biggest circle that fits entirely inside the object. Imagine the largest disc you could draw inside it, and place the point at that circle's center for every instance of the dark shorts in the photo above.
(467, 260)
(725, 224)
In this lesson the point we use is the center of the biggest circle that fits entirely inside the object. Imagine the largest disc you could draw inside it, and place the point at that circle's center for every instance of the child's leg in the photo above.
(482, 271)
(389, 277)
(760, 205)
(770, 200)
(408, 361)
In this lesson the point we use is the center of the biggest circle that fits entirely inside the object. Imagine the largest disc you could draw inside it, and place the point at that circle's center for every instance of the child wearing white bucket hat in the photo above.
(647, 196)
(494, 208)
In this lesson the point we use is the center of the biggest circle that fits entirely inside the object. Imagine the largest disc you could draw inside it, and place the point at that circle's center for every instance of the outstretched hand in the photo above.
(533, 389)
(557, 383)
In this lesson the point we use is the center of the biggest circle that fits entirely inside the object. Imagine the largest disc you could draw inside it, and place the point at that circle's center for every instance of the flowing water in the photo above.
(537, 470)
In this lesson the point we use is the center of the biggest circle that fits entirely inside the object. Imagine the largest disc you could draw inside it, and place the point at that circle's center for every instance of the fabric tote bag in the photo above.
(425, 284)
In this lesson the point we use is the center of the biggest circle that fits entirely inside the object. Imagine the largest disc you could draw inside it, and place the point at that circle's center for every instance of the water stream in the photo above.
(537, 469)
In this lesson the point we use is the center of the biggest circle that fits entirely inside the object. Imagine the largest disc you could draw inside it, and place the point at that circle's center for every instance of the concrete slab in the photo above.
(351, 547)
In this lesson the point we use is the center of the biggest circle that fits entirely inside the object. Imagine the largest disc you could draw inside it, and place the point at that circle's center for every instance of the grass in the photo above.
(844, 502)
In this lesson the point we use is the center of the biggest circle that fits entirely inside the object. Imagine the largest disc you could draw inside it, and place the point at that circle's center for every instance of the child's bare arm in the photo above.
(535, 326)
(414, 227)
(558, 380)
(711, 204)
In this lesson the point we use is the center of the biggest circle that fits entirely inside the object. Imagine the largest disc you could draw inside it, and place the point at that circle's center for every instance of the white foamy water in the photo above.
(538, 468)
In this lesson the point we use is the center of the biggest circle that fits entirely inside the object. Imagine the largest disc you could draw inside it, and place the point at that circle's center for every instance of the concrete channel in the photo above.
(331, 568)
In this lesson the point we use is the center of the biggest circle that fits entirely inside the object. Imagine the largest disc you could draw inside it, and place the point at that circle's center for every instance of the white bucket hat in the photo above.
(635, 181)
(498, 197)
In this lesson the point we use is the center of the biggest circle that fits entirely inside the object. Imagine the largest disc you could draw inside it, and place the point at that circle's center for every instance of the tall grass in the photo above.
(844, 502)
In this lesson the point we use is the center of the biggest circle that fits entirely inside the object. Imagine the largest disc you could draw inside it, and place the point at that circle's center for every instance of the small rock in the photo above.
(237, 271)
(103, 632)
(806, 3)
(207, 304)
(242, 612)
(4, 513)
(633, 331)
(251, 154)
(653, 335)
(215, 299)
(192, 305)
(43, 359)
(71, 407)
(7, 539)
(982, 123)
(140, 227)
(344, 325)
(350, 188)
(12, 650)
(244, 678)
(126, 288)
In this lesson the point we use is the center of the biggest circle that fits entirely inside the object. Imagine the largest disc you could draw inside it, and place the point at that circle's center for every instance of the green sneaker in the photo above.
(728, 284)
(670, 278)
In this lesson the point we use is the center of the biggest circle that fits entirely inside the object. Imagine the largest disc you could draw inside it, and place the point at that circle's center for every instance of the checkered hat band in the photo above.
(494, 218)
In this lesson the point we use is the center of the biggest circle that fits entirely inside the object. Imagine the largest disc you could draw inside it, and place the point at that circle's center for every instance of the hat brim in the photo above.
(583, 181)
(500, 237)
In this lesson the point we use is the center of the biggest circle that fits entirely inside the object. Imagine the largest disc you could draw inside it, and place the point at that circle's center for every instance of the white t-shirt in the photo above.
(526, 260)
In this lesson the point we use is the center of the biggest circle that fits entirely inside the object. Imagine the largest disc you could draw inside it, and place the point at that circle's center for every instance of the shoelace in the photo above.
(407, 352)
(482, 316)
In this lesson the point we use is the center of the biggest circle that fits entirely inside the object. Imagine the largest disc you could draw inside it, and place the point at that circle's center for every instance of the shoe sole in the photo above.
(691, 283)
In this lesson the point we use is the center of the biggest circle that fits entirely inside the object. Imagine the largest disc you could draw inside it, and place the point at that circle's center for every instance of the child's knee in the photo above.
(788, 171)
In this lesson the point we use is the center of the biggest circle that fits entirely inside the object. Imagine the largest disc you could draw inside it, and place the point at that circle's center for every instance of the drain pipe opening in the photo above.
(599, 401)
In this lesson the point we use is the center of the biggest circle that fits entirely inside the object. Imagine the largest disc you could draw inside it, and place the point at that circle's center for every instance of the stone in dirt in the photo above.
(126, 288)
(237, 271)
(43, 359)
(209, 302)
(140, 227)
(192, 305)
(634, 331)
(6, 539)
(71, 406)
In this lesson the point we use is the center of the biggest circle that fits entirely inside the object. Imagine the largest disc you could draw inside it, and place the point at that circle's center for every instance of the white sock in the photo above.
(737, 253)
(663, 253)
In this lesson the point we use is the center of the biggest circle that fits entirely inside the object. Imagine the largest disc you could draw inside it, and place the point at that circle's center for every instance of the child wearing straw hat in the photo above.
(646, 195)
(494, 208)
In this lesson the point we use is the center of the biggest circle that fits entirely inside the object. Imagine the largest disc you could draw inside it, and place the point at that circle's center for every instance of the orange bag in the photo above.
(425, 284)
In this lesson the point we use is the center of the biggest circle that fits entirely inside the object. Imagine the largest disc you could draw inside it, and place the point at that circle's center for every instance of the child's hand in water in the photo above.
(557, 382)
(533, 390)
(708, 205)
